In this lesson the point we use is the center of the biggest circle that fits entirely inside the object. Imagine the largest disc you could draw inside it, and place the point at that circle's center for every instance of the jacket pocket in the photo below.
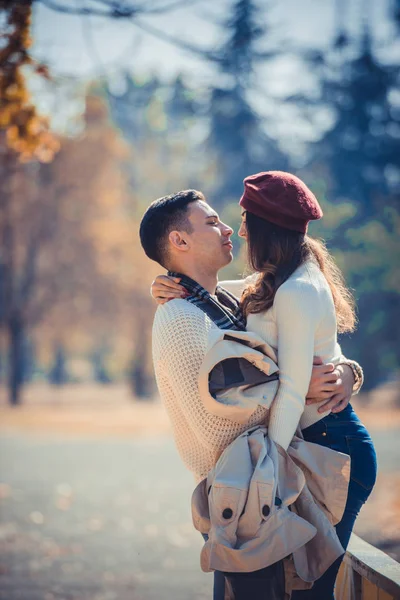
(225, 504)
(265, 499)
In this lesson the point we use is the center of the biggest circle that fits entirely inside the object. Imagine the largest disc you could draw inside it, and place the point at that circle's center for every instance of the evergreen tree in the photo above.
(131, 109)
(237, 56)
(362, 148)
(359, 159)
(396, 13)
(236, 134)
(181, 108)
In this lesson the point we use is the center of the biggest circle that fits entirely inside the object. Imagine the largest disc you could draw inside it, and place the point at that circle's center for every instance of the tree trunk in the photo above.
(140, 381)
(15, 378)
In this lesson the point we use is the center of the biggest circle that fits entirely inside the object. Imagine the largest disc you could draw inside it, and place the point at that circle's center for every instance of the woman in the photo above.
(297, 301)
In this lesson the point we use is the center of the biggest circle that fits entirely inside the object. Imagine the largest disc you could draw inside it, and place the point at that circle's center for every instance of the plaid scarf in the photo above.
(225, 312)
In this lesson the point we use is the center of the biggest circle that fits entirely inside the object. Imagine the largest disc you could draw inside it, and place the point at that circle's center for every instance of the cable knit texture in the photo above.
(301, 324)
(180, 338)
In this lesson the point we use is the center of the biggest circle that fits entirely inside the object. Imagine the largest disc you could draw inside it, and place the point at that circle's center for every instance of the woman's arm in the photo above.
(357, 371)
(323, 384)
(165, 288)
(297, 308)
(236, 286)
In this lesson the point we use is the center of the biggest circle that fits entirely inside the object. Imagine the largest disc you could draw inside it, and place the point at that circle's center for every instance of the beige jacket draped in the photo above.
(260, 504)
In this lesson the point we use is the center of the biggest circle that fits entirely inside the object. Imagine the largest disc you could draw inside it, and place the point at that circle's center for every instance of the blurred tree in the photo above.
(164, 123)
(129, 101)
(98, 360)
(371, 261)
(48, 247)
(95, 230)
(366, 132)
(58, 374)
(24, 135)
(183, 106)
(368, 253)
(28, 359)
(396, 12)
(237, 136)
(159, 132)
(172, 114)
(140, 372)
(356, 166)
(26, 132)
(112, 9)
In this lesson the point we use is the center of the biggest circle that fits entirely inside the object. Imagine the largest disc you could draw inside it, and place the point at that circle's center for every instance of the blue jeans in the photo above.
(345, 433)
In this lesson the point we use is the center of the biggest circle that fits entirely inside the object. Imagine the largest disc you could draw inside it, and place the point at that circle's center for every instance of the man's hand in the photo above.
(330, 386)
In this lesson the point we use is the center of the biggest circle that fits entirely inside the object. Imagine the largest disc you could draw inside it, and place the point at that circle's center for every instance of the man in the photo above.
(185, 235)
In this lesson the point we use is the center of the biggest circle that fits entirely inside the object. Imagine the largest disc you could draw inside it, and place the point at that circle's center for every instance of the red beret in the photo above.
(281, 198)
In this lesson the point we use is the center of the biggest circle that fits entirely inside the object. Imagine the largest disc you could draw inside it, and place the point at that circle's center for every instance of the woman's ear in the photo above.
(178, 241)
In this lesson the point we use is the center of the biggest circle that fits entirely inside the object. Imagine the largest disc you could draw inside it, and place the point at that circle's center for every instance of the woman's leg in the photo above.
(219, 580)
(219, 586)
(265, 584)
(345, 433)
(324, 587)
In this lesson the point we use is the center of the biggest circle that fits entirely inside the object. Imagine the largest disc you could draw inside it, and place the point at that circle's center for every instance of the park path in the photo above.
(105, 517)
(99, 519)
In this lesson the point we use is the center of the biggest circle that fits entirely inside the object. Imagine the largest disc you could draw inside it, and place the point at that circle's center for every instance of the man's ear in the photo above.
(178, 241)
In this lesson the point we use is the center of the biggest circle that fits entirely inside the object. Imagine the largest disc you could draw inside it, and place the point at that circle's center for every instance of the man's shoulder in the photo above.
(180, 313)
(180, 329)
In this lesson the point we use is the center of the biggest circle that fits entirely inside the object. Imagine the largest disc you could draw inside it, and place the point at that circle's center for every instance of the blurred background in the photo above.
(105, 106)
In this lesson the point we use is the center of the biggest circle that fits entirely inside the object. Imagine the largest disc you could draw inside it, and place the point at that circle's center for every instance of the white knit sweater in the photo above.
(303, 313)
(180, 339)
(301, 324)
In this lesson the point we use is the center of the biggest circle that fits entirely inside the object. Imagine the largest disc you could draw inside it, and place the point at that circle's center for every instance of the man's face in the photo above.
(209, 241)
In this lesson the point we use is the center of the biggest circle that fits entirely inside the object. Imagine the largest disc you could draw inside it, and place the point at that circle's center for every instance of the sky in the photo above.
(85, 47)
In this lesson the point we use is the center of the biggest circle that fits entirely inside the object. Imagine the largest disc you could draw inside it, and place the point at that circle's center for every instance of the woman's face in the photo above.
(243, 229)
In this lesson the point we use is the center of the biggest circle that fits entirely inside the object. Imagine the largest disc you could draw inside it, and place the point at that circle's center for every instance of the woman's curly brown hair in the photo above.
(275, 253)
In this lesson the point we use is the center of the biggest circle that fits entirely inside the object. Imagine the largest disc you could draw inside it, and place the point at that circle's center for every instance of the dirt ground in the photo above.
(95, 502)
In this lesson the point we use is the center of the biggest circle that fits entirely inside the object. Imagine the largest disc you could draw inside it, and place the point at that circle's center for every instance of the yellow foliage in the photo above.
(27, 133)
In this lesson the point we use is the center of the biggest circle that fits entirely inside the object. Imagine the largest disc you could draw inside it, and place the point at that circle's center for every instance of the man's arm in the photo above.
(333, 386)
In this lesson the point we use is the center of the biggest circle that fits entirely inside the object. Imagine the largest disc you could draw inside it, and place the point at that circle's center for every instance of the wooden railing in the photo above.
(367, 574)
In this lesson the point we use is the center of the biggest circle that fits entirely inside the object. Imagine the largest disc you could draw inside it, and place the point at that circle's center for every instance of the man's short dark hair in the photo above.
(163, 216)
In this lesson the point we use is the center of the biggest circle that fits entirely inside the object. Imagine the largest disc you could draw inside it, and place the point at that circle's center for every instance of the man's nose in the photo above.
(227, 230)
